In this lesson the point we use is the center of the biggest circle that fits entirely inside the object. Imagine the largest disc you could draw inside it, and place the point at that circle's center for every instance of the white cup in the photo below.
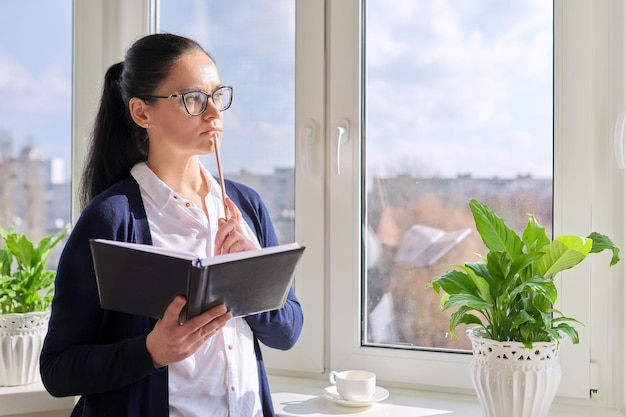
(354, 385)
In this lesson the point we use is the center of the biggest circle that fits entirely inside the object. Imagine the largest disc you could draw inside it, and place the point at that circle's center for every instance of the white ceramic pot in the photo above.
(21, 339)
(511, 380)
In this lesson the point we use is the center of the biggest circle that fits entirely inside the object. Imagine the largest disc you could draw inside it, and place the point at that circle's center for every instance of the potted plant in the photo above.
(26, 289)
(510, 295)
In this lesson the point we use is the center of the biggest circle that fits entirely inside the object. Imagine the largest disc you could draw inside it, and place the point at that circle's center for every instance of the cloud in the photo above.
(445, 77)
(44, 91)
(239, 28)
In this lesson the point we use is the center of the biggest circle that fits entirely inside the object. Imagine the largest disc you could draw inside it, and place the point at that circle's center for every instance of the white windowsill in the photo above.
(32, 398)
(295, 397)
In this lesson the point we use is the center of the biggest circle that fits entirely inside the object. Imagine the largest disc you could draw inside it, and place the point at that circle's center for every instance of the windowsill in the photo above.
(302, 397)
(295, 397)
(32, 398)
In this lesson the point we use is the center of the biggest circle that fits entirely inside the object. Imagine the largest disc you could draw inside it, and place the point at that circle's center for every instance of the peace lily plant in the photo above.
(26, 290)
(25, 284)
(511, 292)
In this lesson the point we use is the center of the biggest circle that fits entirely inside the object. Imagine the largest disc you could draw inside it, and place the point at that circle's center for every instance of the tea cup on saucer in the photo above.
(354, 385)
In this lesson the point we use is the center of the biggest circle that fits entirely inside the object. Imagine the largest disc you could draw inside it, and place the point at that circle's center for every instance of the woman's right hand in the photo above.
(170, 341)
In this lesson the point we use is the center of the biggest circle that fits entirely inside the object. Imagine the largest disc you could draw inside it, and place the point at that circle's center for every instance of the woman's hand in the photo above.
(170, 341)
(230, 237)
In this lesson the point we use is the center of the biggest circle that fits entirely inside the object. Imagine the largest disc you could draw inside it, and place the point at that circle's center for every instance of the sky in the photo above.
(452, 86)
(35, 75)
(460, 86)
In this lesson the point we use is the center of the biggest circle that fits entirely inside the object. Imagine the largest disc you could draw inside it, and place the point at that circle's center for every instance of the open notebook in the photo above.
(144, 279)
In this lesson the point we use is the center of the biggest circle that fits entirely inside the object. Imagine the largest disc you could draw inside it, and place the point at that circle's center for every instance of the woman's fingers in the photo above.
(210, 319)
(172, 313)
(233, 210)
(230, 237)
(171, 341)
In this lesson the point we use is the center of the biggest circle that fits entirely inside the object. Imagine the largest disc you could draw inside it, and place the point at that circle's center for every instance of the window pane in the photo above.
(253, 42)
(35, 117)
(458, 105)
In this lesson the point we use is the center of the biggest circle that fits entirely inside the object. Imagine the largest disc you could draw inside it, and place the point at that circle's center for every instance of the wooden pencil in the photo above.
(220, 174)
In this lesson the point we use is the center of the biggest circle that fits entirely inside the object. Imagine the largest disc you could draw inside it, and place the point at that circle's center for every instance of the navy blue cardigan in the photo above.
(101, 355)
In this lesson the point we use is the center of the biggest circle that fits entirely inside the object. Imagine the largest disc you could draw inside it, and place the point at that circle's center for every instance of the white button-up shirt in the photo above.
(221, 378)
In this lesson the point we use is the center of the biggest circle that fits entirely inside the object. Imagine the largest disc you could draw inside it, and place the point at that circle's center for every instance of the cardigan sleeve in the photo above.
(278, 329)
(88, 350)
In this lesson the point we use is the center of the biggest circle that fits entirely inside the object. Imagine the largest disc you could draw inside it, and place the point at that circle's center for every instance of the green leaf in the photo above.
(563, 253)
(498, 265)
(521, 318)
(462, 316)
(521, 262)
(496, 235)
(454, 282)
(45, 246)
(560, 318)
(602, 242)
(6, 259)
(482, 286)
(473, 302)
(537, 285)
(534, 236)
(22, 249)
(566, 329)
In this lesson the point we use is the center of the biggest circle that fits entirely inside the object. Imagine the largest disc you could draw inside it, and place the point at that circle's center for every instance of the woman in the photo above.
(143, 182)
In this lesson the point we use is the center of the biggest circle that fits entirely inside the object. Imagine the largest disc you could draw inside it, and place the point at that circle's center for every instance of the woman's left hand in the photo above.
(230, 237)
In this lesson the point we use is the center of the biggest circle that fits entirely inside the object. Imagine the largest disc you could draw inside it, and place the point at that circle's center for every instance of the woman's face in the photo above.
(171, 130)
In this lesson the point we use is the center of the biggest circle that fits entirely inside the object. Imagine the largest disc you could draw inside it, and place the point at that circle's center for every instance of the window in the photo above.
(577, 136)
(457, 105)
(335, 122)
(35, 118)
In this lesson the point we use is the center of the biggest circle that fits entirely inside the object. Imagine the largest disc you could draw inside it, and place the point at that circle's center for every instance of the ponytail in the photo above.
(117, 142)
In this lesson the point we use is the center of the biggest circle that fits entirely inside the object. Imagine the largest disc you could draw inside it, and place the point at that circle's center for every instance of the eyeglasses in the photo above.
(195, 101)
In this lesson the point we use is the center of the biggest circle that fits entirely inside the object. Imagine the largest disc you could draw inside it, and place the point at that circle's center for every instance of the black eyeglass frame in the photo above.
(206, 102)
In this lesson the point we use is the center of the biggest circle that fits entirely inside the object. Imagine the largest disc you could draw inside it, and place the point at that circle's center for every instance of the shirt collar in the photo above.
(160, 192)
(154, 188)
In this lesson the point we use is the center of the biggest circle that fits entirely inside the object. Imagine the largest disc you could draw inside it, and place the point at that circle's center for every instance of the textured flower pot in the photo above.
(511, 380)
(21, 339)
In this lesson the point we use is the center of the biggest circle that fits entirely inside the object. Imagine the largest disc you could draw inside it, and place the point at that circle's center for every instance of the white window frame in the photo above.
(308, 355)
(103, 30)
(588, 196)
(589, 91)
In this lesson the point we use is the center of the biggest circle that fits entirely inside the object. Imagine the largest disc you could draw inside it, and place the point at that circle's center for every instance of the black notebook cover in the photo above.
(143, 279)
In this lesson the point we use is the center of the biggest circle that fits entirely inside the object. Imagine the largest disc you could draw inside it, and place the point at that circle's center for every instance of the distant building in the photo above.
(35, 193)
(520, 195)
(35, 196)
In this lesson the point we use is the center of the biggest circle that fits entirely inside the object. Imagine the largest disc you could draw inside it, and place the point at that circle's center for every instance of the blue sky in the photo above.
(35, 74)
(460, 86)
(453, 86)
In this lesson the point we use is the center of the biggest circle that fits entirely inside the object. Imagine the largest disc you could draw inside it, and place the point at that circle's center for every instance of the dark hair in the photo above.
(118, 142)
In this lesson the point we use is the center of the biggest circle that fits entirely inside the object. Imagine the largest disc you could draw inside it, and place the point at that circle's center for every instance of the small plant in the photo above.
(28, 287)
(512, 288)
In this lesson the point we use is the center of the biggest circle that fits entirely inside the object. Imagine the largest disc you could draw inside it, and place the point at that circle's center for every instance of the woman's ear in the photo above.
(138, 111)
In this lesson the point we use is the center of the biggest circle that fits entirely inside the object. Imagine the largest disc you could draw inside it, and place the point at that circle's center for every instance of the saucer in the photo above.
(330, 393)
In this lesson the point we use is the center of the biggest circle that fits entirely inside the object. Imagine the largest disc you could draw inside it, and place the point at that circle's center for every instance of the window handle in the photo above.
(618, 139)
(309, 133)
(343, 136)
